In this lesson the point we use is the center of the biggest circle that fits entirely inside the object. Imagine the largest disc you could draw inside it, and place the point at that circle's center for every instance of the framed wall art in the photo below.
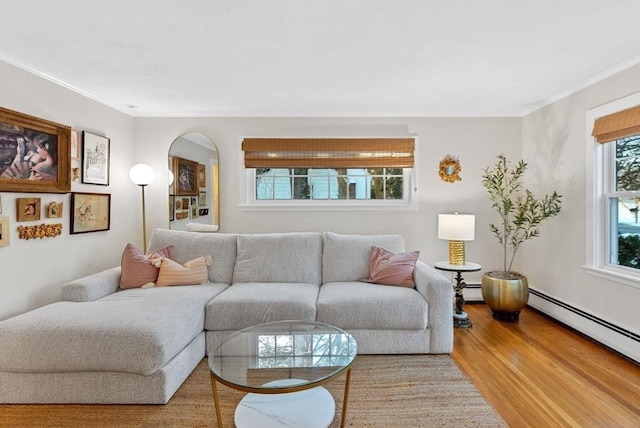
(172, 210)
(34, 154)
(95, 158)
(186, 176)
(54, 210)
(4, 231)
(90, 212)
(27, 209)
(202, 198)
(202, 175)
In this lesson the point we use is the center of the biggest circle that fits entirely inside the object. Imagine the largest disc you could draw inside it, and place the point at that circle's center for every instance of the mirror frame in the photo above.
(174, 159)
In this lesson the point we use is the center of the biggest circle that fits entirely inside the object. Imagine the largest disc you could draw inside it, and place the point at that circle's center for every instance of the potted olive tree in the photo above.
(506, 292)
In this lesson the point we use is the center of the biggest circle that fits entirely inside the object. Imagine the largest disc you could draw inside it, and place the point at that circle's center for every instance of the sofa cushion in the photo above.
(137, 269)
(279, 257)
(390, 268)
(359, 305)
(346, 257)
(134, 331)
(189, 245)
(192, 272)
(246, 304)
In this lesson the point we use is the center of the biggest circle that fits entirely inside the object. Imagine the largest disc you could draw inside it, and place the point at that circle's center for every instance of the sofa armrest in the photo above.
(92, 287)
(438, 292)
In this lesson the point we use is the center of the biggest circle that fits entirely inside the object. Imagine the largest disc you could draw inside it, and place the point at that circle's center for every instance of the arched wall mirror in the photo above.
(193, 189)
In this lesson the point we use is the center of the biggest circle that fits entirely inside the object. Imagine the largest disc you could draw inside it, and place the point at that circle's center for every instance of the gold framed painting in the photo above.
(34, 154)
(202, 175)
(185, 172)
(54, 210)
(27, 209)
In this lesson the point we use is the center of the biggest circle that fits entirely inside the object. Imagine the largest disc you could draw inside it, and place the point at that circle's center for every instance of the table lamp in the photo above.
(142, 175)
(457, 228)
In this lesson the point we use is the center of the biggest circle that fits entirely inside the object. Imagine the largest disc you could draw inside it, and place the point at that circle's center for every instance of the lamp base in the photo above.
(456, 253)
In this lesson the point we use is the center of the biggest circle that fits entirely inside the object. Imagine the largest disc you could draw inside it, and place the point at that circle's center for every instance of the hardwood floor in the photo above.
(538, 373)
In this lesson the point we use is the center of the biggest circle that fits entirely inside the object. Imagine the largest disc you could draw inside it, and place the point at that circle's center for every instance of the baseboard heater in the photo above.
(631, 335)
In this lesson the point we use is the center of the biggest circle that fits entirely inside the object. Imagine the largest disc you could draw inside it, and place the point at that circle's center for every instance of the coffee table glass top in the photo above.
(261, 357)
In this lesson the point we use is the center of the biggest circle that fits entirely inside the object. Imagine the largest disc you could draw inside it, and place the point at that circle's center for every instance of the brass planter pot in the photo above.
(505, 297)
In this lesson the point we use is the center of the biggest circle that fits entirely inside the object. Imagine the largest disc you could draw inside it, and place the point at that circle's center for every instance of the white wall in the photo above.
(553, 140)
(33, 272)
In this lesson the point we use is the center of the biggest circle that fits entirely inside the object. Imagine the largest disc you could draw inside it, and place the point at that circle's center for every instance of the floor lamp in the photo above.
(142, 175)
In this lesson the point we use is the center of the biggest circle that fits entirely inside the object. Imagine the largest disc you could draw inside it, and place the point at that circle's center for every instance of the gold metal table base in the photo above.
(216, 398)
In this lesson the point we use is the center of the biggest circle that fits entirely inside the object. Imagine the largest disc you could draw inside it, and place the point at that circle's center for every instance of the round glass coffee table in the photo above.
(282, 366)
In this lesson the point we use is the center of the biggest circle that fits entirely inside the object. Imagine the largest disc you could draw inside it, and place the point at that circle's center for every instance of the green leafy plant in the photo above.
(520, 211)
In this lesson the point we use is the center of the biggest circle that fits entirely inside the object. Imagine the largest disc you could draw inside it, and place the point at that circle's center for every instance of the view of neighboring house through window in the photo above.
(329, 183)
(622, 181)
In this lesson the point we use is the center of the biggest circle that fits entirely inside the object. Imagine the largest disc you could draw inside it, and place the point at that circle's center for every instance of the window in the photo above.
(330, 172)
(622, 199)
(613, 190)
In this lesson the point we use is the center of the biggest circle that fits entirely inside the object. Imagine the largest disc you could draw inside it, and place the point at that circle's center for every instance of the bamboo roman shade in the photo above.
(618, 125)
(328, 152)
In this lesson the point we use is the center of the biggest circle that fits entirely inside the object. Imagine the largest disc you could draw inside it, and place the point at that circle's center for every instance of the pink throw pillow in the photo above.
(193, 272)
(392, 269)
(137, 269)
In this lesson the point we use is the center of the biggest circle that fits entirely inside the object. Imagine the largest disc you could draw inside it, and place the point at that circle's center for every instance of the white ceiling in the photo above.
(322, 58)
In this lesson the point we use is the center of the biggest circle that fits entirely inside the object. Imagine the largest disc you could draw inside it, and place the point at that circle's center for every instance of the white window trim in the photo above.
(596, 212)
(408, 204)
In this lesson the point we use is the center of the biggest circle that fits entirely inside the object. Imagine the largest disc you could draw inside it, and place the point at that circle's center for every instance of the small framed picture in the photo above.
(202, 198)
(172, 202)
(90, 212)
(4, 231)
(28, 209)
(203, 211)
(194, 211)
(54, 210)
(186, 177)
(202, 175)
(95, 159)
(75, 146)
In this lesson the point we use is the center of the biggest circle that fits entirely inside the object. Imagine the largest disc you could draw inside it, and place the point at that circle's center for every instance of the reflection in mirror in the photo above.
(193, 184)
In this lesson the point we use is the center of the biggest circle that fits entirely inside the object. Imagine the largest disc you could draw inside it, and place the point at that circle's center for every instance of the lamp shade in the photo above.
(142, 174)
(457, 227)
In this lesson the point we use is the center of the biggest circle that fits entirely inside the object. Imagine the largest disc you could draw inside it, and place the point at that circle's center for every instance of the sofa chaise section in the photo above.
(133, 346)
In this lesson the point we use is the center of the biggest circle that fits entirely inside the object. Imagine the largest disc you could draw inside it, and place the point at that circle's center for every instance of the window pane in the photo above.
(377, 188)
(624, 232)
(301, 188)
(628, 164)
(394, 188)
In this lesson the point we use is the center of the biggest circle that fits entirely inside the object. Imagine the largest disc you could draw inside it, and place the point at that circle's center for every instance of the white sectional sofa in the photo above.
(105, 345)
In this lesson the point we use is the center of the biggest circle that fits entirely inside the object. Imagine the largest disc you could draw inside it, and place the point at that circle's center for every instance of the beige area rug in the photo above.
(386, 391)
